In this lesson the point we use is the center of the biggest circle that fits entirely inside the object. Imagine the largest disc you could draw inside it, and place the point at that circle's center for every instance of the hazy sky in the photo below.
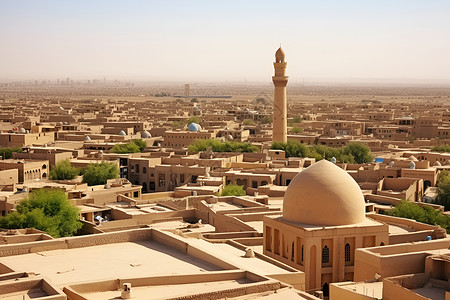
(224, 40)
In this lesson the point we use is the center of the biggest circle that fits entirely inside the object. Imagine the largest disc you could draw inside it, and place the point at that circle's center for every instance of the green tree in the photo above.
(136, 145)
(353, 152)
(296, 130)
(443, 184)
(360, 152)
(96, 174)
(194, 100)
(266, 120)
(7, 152)
(441, 148)
(217, 146)
(140, 143)
(64, 171)
(248, 122)
(45, 209)
(424, 214)
(193, 119)
(233, 190)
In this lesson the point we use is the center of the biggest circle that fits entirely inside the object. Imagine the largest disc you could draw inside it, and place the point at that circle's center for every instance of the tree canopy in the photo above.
(64, 171)
(136, 145)
(7, 152)
(441, 148)
(233, 190)
(443, 184)
(45, 209)
(428, 215)
(218, 146)
(351, 153)
(99, 173)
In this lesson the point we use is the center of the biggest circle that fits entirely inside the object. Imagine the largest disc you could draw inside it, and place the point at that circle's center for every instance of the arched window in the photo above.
(144, 170)
(347, 252)
(325, 255)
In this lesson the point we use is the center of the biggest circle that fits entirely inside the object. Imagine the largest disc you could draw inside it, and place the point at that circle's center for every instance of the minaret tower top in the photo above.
(280, 56)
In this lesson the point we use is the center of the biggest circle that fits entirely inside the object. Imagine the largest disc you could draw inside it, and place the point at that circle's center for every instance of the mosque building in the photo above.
(323, 223)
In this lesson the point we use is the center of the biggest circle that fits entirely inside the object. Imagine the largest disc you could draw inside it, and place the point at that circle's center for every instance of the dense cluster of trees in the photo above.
(441, 148)
(443, 184)
(136, 145)
(48, 210)
(7, 152)
(95, 174)
(351, 153)
(64, 171)
(233, 190)
(425, 214)
(218, 146)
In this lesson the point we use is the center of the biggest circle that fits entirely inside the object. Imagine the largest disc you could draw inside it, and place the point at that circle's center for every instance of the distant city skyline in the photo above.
(187, 41)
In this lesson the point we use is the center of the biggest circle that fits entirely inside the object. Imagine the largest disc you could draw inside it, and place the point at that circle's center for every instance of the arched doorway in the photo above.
(144, 187)
(426, 184)
(325, 290)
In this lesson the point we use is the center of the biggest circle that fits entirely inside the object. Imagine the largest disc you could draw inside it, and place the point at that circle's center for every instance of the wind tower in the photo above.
(279, 100)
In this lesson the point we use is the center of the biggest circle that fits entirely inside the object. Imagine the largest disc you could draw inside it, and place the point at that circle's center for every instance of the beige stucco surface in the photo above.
(130, 259)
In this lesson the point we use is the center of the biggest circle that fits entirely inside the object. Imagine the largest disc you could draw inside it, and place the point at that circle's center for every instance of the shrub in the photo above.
(45, 209)
(64, 171)
(233, 190)
(96, 174)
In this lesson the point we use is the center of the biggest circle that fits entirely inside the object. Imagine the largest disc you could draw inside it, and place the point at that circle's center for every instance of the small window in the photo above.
(144, 170)
(325, 255)
(347, 252)
(302, 252)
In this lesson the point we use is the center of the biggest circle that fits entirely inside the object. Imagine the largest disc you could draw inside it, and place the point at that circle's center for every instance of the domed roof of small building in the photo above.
(437, 164)
(122, 133)
(193, 127)
(324, 194)
(196, 108)
(280, 55)
(412, 165)
(145, 134)
(87, 138)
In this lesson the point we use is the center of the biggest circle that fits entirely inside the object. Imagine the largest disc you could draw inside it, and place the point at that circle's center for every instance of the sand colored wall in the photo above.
(395, 260)
(394, 291)
(9, 177)
(76, 242)
(338, 292)
(26, 284)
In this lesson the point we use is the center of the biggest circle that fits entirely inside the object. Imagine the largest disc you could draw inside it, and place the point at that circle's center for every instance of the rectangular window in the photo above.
(162, 180)
(268, 238)
(276, 241)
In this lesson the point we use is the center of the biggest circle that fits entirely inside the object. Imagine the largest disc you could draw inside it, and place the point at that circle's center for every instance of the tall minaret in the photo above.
(279, 100)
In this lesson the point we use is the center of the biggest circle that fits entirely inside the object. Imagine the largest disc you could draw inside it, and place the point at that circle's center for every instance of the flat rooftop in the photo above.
(371, 289)
(94, 263)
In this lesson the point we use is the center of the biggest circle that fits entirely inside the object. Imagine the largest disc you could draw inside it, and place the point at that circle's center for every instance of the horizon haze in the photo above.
(233, 41)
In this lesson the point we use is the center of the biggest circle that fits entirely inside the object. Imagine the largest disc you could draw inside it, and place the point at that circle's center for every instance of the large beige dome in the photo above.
(324, 194)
